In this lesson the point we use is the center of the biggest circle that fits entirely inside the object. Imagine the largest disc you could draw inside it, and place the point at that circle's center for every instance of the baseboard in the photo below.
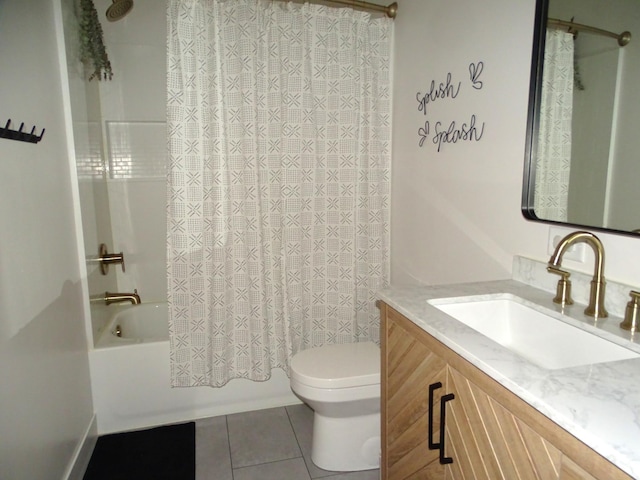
(82, 454)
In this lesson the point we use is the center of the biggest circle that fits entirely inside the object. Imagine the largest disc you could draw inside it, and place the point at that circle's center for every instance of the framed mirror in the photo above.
(582, 160)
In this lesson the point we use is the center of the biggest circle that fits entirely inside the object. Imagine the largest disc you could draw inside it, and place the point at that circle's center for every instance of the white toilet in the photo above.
(341, 383)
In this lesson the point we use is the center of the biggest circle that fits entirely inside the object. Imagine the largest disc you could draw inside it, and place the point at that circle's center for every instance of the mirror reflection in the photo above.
(584, 158)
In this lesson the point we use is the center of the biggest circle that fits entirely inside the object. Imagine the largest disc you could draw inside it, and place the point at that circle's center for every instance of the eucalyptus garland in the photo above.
(92, 49)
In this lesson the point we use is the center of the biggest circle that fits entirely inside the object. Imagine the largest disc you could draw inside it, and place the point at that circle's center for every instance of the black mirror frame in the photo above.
(533, 118)
(533, 123)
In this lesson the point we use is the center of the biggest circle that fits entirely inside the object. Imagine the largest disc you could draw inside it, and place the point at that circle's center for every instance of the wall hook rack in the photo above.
(31, 137)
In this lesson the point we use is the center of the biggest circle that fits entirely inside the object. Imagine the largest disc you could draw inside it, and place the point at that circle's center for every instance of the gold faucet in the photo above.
(596, 297)
(110, 298)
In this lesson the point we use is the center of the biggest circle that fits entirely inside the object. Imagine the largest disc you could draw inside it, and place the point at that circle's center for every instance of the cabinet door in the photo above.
(571, 471)
(410, 368)
(488, 442)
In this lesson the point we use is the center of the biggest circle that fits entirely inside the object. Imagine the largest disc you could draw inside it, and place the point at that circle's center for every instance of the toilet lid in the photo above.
(338, 366)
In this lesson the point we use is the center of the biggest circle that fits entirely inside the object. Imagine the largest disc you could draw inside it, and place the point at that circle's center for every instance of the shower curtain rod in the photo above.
(390, 10)
(623, 38)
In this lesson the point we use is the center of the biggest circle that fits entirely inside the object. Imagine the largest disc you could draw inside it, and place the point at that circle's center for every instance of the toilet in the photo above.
(341, 383)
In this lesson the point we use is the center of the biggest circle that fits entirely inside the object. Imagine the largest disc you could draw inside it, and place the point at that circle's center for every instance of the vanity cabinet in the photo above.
(489, 432)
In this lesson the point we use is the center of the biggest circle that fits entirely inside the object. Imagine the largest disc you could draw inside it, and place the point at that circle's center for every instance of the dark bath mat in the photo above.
(158, 453)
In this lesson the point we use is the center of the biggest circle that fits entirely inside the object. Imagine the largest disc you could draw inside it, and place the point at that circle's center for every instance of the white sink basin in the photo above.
(540, 338)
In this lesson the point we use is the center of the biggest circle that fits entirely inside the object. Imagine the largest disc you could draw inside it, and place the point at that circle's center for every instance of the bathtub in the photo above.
(144, 323)
(130, 378)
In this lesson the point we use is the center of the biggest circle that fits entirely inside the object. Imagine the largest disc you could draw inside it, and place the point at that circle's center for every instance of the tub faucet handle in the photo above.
(105, 258)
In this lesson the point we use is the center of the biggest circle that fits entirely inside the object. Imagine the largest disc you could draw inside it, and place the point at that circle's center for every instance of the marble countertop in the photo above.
(599, 404)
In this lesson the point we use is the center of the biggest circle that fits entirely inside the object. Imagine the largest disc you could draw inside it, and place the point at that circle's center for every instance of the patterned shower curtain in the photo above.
(553, 158)
(278, 185)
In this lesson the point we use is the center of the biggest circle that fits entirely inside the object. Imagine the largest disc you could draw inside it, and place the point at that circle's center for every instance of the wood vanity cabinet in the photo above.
(489, 432)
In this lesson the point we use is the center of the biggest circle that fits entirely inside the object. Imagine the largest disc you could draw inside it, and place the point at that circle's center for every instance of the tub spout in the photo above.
(110, 298)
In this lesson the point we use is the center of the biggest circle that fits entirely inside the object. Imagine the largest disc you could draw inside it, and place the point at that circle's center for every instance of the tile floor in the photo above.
(273, 444)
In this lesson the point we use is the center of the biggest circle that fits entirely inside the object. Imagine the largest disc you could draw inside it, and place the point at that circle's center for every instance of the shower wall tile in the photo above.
(139, 226)
(132, 121)
(88, 145)
(137, 150)
(138, 88)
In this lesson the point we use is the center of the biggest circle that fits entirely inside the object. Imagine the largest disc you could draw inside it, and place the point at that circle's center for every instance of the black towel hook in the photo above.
(19, 135)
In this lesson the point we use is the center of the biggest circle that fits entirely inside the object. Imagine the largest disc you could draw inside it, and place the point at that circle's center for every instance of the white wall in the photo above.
(45, 397)
(456, 214)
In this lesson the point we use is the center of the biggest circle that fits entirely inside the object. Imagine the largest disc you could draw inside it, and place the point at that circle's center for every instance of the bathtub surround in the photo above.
(279, 157)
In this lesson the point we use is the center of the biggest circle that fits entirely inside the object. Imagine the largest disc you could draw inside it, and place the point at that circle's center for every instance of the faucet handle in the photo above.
(105, 258)
(630, 321)
(563, 289)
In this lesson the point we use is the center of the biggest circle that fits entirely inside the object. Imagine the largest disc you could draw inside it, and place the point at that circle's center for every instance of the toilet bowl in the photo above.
(341, 383)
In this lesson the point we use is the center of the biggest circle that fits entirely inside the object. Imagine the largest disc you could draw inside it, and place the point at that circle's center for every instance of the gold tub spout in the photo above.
(110, 298)
(596, 297)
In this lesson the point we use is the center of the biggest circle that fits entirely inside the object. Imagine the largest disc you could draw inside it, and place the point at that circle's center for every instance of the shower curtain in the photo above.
(278, 185)
(553, 157)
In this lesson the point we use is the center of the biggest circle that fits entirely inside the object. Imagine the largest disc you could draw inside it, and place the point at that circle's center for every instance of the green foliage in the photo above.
(92, 49)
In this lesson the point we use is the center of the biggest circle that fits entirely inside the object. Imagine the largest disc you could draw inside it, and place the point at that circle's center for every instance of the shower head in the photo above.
(119, 9)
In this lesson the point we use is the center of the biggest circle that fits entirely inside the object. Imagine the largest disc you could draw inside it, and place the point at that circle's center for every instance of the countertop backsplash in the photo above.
(534, 273)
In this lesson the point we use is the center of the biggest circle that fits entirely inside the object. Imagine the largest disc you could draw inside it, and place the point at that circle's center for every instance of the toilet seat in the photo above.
(337, 366)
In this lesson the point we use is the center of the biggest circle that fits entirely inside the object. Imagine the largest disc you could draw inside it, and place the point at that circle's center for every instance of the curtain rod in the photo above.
(390, 10)
(623, 38)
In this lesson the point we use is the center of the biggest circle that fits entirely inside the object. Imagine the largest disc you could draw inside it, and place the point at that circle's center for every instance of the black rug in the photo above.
(158, 453)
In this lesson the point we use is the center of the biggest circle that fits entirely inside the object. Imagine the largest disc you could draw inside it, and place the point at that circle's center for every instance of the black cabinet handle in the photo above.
(443, 410)
(432, 388)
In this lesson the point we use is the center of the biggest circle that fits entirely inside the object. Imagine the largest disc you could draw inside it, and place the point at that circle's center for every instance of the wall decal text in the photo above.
(443, 90)
(452, 134)
(440, 133)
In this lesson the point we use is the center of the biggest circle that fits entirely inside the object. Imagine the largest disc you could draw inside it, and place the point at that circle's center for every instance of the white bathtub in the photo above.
(130, 378)
(144, 323)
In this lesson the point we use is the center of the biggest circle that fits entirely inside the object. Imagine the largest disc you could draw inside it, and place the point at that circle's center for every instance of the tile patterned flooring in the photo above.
(273, 444)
